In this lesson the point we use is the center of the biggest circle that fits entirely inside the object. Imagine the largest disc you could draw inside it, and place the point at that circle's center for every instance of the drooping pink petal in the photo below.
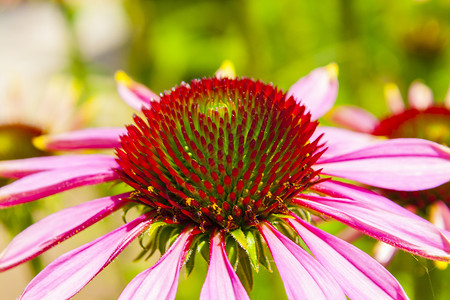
(22, 167)
(161, 280)
(378, 217)
(56, 228)
(420, 96)
(397, 164)
(354, 118)
(440, 215)
(221, 282)
(69, 273)
(357, 273)
(302, 275)
(91, 138)
(384, 253)
(340, 141)
(43, 184)
(134, 94)
(317, 90)
(394, 98)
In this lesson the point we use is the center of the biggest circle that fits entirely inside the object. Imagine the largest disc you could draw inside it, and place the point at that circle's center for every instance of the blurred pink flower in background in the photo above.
(424, 118)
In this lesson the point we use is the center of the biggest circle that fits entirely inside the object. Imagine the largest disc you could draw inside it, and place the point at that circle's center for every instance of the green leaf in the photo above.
(239, 236)
(244, 270)
(251, 249)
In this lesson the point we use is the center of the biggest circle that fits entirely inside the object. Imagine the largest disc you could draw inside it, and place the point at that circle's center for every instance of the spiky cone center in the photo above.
(219, 153)
(431, 124)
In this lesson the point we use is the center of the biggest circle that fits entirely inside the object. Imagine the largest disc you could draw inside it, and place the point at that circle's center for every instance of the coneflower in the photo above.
(231, 168)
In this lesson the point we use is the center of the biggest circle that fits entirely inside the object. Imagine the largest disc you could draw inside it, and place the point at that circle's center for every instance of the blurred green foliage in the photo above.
(373, 42)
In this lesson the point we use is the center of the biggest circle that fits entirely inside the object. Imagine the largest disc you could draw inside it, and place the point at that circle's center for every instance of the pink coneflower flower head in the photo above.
(230, 169)
(423, 118)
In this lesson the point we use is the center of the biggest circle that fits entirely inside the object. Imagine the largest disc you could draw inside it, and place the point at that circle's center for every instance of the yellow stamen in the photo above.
(189, 201)
(216, 208)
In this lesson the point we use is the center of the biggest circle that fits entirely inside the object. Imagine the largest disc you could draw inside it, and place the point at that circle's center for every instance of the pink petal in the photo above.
(378, 217)
(420, 96)
(317, 90)
(55, 228)
(398, 164)
(340, 141)
(354, 118)
(221, 282)
(92, 138)
(440, 215)
(302, 275)
(161, 280)
(134, 94)
(69, 273)
(357, 273)
(43, 184)
(23, 167)
(384, 253)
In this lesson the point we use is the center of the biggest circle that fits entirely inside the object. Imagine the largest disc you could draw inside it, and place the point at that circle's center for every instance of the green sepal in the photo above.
(239, 236)
(287, 231)
(154, 242)
(190, 263)
(252, 249)
(244, 270)
(262, 256)
(126, 209)
(281, 216)
(154, 227)
(144, 248)
(166, 237)
(302, 213)
(231, 246)
(204, 251)
(198, 243)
